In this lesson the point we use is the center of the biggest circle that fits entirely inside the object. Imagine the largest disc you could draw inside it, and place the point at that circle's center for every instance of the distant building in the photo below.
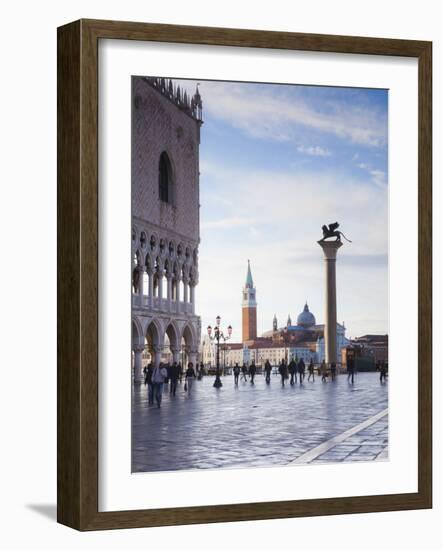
(374, 345)
(303, 340)
(165, 221)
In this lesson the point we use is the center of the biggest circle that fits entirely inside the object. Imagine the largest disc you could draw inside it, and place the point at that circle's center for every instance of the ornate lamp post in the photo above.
(218, 335)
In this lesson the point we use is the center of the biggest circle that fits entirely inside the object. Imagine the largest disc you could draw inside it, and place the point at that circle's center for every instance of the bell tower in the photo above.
(249, 308)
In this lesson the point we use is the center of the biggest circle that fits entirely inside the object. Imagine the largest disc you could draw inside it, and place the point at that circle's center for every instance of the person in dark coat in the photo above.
(148, 381)
(311, 370)
(236, 373)
(350, 365)
(252, 371)
(323, 371)
(283, 370)
(292, 367)
(301, 370)
(201, 371)
(383, 371)
(268, 370)
(244, 373)
(174, 374)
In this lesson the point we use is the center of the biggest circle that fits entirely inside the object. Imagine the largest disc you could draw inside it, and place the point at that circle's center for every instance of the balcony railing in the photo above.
(162, 304)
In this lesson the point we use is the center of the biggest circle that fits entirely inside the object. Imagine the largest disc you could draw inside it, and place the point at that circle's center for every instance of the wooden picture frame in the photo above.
(77, 455)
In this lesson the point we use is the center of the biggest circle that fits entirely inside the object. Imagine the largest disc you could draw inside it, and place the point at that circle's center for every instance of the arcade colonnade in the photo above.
(164, 277)
(164, 339)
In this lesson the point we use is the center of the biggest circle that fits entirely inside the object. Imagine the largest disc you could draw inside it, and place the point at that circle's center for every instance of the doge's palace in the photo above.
(165, 221)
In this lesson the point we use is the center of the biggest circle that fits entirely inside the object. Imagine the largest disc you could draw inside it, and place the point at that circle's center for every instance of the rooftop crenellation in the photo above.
(193, 106)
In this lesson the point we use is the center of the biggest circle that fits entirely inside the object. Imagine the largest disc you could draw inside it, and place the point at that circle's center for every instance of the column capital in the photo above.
(141, 268)
(330, 248)
(138, 349)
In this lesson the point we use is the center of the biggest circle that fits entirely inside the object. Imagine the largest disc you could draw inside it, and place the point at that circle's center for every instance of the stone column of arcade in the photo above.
(175, 355)
(330, 253)
(138, 370)
(141, 284)
(157, 355)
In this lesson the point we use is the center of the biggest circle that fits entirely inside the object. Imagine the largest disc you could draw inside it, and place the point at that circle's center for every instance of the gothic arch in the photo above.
(137, 333)
(154, 333)
(173, 333)
(189, 336)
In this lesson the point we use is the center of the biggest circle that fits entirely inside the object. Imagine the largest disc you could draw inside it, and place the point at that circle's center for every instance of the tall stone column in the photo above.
(169, 280)
(141, 283)
(138, 370)
(177, 293)
(330, 251)
(185, 290)
(151, 289)
(160, 288)
(192, 296)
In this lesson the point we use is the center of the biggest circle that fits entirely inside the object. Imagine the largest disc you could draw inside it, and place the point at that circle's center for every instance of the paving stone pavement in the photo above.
(368, 444)
(257, 425)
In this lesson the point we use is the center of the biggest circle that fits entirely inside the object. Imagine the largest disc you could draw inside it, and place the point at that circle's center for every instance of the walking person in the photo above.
(283, 370)
(301, 370)
(350, 368)
(323, 371)
(311, 370)
(252, 371)
(383, 371)
(333, 371)
(159, 375)
(190, 377)
(268, 370)
(174, 374)
(200, 371)
(244, 373)
(236, 373)
(292, 368)
(148, 381)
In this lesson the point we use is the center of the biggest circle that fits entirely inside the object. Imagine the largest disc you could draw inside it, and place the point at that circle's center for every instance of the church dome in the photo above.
(306, 319)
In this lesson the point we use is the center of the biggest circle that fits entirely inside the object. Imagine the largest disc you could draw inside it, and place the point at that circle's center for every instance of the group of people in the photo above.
(245, 371)
(157, 376)
(292, 369)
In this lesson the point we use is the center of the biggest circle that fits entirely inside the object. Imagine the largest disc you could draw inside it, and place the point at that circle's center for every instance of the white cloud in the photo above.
(286, 212)
(315, 151)
(273, 114)
(378, 177)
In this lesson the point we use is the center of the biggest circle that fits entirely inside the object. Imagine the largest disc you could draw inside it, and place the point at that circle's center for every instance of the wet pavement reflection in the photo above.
(256, 425)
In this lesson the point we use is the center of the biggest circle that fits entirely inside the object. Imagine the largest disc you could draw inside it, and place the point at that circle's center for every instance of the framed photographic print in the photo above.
(244, 275)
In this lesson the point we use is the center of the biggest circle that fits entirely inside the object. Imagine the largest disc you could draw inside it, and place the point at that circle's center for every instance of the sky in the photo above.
(276, 163)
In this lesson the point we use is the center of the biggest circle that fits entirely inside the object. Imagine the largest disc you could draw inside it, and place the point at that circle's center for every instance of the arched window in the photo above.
(165, 183)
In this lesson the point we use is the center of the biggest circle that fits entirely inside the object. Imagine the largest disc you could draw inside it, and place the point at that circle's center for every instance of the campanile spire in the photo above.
(249, 308)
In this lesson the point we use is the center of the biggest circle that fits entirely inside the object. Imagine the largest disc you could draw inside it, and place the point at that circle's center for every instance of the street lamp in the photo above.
(218, 335)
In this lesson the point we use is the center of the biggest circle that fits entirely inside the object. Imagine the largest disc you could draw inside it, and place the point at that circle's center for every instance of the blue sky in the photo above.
(277, 162)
